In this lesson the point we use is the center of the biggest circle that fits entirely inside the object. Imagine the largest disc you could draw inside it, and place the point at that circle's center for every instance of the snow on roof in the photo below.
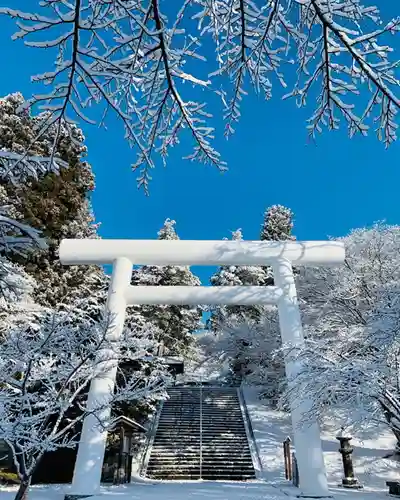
(128, 422)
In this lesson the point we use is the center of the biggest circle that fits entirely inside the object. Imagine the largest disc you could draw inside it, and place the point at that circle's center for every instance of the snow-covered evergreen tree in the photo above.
(277, 226)
(176, 323)
(55, 203)
(236, 276)
(247, 329)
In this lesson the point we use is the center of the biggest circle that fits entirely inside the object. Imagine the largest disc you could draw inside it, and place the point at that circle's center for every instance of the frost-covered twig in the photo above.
(47, 361)
(130, 58)
(18, 168)
(351, 355)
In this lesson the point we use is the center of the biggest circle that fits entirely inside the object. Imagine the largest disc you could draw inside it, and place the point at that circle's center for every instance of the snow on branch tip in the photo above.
(156, 72)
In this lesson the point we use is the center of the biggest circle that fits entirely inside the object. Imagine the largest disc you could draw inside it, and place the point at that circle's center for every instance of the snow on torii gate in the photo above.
(123, 254)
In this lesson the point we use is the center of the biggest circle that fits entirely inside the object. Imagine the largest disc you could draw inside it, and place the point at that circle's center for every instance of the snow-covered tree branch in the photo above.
(248, 347)
(47, 361)
(350, 362)
(143, 60)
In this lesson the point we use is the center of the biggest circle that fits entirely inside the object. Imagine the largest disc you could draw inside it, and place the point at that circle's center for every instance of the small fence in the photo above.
(291, 470)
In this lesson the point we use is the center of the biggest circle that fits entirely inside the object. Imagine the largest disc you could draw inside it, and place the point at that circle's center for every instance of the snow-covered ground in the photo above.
(199, 490)
(270, 429)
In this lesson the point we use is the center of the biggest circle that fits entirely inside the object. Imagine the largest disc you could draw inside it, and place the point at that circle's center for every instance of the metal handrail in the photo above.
(248, 425)
(150, 440)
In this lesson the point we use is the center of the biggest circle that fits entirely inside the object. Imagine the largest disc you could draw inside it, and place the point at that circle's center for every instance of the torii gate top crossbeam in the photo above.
(202, 252)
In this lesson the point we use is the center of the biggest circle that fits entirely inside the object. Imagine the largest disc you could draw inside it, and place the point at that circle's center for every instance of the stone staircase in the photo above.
(201, 435)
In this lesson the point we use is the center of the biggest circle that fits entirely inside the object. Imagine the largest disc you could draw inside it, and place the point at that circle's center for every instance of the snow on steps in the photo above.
(221, 452)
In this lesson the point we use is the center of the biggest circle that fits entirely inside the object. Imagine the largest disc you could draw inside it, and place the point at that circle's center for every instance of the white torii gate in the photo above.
(123, 254)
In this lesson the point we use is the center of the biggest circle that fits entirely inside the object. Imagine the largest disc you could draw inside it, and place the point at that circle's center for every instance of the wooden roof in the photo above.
(128, 422)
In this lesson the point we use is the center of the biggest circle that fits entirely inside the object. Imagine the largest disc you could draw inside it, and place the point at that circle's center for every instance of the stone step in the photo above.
(205, 396)
(223, 454)
(229, 432)
(208, 428)
(195, 432)
(206, 463)
(186, 409)
(173, 455)
(211, 450)
(207, 442)
(228, 477)
(207, 477)
(196, 457)
(204, 390)
(189, 405)
(222, 449)
(226, 436)
(193, 441)
(206, 445)
(195, 417)
(205, 424)
(205, 438)
(204, 472)
(205, 400)
(220, 398)
(196, 462)
(219, 455)
(232, 417)
(209, 470)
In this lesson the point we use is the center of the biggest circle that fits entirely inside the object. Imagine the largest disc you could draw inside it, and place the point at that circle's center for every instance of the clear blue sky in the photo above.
(332, 186)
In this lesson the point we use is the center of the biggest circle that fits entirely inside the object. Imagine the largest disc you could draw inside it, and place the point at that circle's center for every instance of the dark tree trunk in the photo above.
(22, 493)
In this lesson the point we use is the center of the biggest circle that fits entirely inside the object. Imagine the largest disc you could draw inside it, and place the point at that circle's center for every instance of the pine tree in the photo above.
(54, 203)
(176, 323)
(236, 276)
(277, 226)
(249, 329)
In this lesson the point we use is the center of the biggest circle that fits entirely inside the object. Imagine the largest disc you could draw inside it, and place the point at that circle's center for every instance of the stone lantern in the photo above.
(349, 480)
